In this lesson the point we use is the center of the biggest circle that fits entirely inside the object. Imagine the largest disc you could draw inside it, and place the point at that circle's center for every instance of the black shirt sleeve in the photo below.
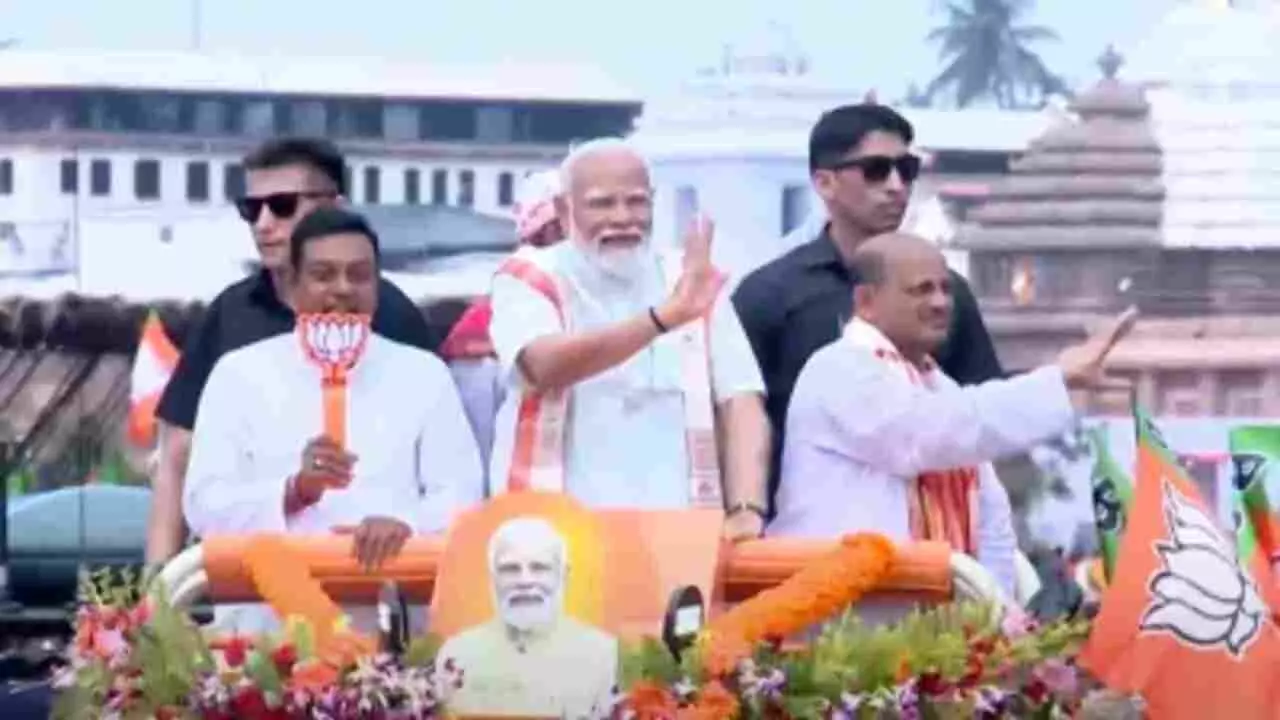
(755, 312)
(181, 398)
(398, 318)
(969, 356)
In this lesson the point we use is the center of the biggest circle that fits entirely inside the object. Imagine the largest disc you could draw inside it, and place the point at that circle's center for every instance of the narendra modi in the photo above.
(532, 659)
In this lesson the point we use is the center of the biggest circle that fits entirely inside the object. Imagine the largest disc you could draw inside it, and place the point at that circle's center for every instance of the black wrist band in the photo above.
(742, 507)
(653, 315)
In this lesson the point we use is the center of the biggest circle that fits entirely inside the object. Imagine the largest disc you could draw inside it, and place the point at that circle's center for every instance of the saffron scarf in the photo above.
(942, 504)
(538, 455)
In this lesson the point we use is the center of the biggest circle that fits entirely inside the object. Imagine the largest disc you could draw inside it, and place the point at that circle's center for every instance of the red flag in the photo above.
(1183, 623)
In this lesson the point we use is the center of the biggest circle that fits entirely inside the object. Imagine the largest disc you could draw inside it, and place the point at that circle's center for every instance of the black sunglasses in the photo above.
(282, 205)
(876, 168)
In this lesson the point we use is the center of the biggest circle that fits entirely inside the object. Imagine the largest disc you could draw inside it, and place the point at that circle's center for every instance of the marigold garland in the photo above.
(283, 581)
(812, 595)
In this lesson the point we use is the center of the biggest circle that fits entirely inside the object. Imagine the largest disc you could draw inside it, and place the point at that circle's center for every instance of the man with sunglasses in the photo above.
(285, 179)
(861, 167)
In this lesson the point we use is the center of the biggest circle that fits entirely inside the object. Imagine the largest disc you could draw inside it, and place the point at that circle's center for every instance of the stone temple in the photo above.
(1162, 190)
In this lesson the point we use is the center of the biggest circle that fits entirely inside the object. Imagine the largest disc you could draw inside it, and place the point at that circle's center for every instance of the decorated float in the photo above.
(539, 608)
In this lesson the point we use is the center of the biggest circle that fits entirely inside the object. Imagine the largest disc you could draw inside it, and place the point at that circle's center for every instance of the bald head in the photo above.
(874, 259)
(903, 288)
(607, 205)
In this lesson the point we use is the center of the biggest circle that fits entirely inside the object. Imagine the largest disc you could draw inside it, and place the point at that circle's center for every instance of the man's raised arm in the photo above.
(887, 424)
(551, 359)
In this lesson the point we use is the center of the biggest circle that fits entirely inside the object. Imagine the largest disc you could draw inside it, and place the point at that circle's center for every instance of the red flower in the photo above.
(249, 704)
(1036, 691)
(235, 649)
(284, 658)
(932, 684)
(650, 701)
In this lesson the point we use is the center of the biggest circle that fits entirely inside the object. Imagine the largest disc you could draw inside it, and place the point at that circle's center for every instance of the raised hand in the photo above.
(700, 282)
(1084, 365)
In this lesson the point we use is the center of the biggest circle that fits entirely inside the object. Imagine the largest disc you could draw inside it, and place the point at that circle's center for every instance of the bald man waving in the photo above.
(880, 439)
(629, 376)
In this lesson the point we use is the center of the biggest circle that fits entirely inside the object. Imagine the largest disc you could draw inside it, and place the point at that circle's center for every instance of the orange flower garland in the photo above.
(284, 583)
(810, 596)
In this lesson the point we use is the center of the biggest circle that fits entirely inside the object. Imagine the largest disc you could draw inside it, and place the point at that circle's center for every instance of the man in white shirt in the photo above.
(260, 462)
(629, 377)
(879, 439)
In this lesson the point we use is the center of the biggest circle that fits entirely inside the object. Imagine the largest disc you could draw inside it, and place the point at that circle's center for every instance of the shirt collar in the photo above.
(821, 252)
(263, 293)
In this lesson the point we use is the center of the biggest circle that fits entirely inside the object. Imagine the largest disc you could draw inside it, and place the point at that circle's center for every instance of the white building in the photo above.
(1213, 72)
(93, 146)
(733, 143)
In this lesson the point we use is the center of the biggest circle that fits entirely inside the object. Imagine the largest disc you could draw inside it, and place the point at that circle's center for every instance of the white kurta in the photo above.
(417, 459)
(859, 432)
(626, 428)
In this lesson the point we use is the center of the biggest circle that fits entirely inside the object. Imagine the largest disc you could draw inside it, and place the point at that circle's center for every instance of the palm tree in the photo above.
(987, 55)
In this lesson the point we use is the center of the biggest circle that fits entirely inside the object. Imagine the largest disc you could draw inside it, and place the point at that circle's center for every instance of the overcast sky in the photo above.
(648, 44)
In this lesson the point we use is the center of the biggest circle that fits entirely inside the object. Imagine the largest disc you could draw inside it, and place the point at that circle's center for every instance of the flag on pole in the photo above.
(1255, 454)
(1112, 496)
(153, 365)
(1183, 622)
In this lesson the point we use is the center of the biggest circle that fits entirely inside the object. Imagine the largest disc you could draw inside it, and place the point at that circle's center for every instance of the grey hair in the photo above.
(590, 148)
(524, 530)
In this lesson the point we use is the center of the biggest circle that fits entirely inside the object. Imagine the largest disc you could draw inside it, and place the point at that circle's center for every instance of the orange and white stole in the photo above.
(943, 504)
(538, 453)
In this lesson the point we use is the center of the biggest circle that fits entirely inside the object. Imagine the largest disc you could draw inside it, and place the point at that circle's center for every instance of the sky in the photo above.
(648, 45)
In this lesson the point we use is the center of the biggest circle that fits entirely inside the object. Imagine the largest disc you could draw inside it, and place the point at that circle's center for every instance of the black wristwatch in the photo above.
(744, 506)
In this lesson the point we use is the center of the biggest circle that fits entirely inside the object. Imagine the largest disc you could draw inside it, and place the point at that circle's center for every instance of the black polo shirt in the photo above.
(801, 302)
(249, 311)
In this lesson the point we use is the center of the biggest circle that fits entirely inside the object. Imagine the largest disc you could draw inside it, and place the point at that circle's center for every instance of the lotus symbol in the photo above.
(334, 341)
(1202, 597)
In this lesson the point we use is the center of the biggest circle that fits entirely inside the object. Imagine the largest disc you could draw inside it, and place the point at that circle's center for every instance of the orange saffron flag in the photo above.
(1183, 622)
(153, 365)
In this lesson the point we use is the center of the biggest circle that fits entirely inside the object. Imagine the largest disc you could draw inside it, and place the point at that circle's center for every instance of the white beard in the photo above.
(530, 617)
(627, 265)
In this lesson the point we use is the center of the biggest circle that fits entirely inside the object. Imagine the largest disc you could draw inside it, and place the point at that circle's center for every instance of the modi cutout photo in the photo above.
(535, 593)
(534, 657)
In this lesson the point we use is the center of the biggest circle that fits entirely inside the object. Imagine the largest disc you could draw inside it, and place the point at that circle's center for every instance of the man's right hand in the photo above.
(1084, 365)
(324, 466)
(699, 284)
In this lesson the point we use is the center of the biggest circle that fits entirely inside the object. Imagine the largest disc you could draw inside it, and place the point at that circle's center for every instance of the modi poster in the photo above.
(535, 592)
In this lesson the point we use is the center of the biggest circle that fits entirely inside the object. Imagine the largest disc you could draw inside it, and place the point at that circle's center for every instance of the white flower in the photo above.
(1202, 597)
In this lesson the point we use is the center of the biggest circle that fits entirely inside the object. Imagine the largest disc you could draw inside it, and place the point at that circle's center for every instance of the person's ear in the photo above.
(864, 299)
(824, 183)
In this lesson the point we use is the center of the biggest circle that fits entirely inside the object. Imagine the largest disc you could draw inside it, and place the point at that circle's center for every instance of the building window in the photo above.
(439, 187)
(6, 177)
(686, 208)
(466, 188)
(506, 189)
(795, 207)
(1240, 393)
(69, 176)
(100, 178)
(198, 181)
(412, 186)
(146, 179)
(372, 185)
(233, 182)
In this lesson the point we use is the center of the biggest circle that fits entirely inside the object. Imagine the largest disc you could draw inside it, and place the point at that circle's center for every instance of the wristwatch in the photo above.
(746, 506)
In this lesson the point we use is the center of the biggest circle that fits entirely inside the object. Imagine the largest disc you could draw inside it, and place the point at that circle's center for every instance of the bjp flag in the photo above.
(1183, 622)
(154, 363)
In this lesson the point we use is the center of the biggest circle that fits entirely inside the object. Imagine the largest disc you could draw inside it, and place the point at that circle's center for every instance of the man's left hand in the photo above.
(743, 526)
(377, 540)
